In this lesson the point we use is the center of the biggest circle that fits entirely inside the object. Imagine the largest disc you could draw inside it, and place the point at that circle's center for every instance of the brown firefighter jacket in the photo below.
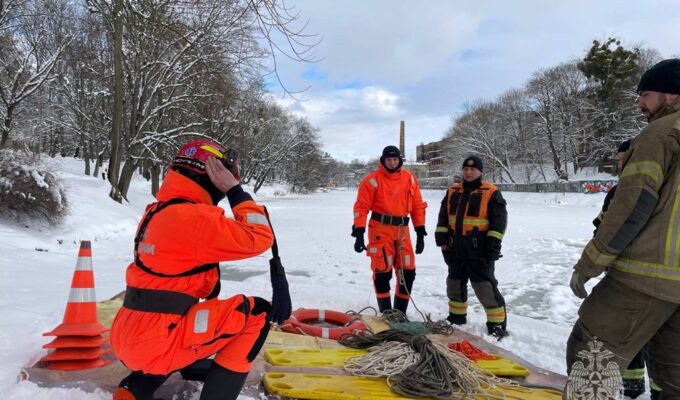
(639, 237)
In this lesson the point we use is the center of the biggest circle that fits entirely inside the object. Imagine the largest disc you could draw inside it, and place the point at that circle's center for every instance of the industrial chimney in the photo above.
(402, 147)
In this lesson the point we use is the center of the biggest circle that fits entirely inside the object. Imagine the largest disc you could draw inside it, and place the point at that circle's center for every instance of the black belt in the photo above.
(389, 219)
(158, 301)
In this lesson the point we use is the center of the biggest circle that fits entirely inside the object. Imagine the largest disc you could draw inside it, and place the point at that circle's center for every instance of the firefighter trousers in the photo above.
(481, 275)
(615, 322)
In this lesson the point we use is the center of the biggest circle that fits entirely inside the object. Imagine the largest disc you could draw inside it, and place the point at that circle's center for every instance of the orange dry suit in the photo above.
(162, 326)
(391, 197)
(472, 222)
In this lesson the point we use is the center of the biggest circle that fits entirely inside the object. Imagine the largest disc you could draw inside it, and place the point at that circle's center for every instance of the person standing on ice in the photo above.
(634, 376)
(638, 242)
(391, 194)
(162, 326)
(470, 228)
(620, 152)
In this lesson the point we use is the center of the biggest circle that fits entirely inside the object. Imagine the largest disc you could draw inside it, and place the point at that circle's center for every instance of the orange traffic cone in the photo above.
(78, 343)
(80, 317)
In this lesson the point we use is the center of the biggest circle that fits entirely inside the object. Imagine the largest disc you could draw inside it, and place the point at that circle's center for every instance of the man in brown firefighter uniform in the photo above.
(471, 224)
(638, 243)
(634, 376)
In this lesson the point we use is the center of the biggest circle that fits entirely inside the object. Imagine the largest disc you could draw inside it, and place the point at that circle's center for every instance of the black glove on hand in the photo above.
(281, 305)
(420, 240)
(358, 233)
(493, 249)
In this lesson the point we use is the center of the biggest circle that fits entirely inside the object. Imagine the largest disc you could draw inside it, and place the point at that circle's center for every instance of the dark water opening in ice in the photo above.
(239, 275)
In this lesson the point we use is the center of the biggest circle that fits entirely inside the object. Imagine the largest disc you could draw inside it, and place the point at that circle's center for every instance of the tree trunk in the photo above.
(118, 93)
(126, 177)
(155, 178)
(86, 153)
(6, 126)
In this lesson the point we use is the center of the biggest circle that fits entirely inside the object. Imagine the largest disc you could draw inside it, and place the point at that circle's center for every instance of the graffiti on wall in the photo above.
(596, 186)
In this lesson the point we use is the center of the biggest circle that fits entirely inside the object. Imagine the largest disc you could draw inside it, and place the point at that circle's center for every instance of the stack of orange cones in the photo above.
(79, 340)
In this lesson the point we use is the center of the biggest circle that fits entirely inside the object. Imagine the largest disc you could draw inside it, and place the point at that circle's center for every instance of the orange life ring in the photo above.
(300, 321)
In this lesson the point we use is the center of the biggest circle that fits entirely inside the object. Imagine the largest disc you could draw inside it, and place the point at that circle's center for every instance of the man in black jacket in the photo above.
(472, 221)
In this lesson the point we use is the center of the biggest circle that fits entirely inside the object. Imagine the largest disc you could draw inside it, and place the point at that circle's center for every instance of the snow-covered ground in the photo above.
(545, 236)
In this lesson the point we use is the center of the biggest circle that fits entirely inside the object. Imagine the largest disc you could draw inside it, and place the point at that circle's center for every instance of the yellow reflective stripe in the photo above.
(442, 229)
(600, 216)
(496, 314)
(643, 268)
(597, 256)
(649, 168)
(495, 234)
(457, 307)
(672, 243)
(637, 373)
(654, 386)
(475, 221)
(469, 221)
(213, 150)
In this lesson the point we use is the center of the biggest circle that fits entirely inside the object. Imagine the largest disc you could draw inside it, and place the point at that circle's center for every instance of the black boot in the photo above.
(400, 304)
(384, 304)
(633, 388)
(222, 384)
(496, 330)
(655, 394)
(138, 386)
(457, 319)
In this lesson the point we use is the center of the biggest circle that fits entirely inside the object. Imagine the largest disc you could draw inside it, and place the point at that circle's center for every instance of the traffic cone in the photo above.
(80, 317)
(79, 341)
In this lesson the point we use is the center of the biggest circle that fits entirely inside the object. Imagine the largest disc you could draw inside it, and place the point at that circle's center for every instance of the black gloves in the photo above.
(420, 241)
(358, 233)
(493, 248)
(281, 306)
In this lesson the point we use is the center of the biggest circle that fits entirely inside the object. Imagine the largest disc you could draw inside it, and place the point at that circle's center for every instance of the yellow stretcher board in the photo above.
(304, 357)
(344, 387)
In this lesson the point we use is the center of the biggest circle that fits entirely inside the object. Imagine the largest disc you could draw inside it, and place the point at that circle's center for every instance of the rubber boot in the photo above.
(384, 304)
(400, 304)
(633, 388)
(656, 394)
(456, 319)
(496, 330)
(222, 384)
(138, 386)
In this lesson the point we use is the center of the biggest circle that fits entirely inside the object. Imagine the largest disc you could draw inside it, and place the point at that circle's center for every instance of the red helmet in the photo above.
(194, 153)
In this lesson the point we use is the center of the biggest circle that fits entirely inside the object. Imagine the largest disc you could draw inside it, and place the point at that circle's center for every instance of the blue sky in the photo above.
(383, 61)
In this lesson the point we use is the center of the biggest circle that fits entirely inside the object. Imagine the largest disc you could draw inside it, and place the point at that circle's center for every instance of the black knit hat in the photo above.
(624, 146)
(391, 151)
(475, 162)
(663, 77)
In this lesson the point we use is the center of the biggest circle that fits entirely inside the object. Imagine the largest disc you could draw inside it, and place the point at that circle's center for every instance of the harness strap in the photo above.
(158, 301)
(158, 207)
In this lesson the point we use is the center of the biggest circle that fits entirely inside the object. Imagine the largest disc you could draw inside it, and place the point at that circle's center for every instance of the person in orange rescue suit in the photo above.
(391, 193)
(470, 228)
(163, 325)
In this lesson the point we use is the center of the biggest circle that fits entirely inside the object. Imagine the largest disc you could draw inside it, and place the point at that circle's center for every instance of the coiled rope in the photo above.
(437, 373)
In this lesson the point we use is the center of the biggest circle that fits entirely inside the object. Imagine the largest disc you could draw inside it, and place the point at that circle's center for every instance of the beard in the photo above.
(650, 112)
